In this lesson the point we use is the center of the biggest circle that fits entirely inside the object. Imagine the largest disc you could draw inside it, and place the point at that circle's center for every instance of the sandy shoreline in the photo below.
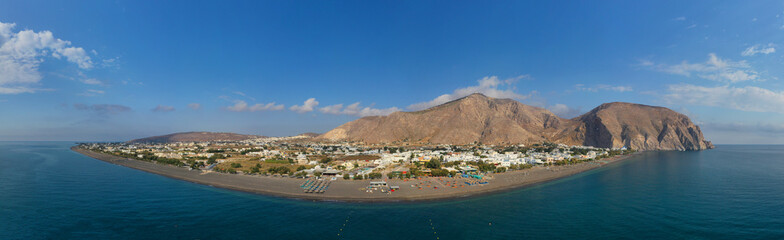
(424, 189)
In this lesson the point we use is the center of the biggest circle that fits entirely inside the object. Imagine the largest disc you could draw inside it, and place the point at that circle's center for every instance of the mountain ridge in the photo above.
(478, 118)
(194, 137)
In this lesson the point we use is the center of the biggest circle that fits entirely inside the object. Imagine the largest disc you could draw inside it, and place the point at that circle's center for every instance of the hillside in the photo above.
(640, 127)
(478, 118)
(194, 137)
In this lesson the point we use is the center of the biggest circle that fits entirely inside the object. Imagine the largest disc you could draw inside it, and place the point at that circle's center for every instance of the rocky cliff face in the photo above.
(641, 127)
(477, 118)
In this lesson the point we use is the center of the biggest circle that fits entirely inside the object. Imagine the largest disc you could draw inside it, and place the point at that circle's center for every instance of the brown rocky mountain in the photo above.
(640, 127)
(194, 137)
(477, 118)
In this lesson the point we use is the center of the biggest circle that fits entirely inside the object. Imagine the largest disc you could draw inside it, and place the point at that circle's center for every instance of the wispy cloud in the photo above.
(307, 106)
(242, 106)
(22, 52)
(765, 128)
(564, 111)
(679, 18)
(110, 62)
(490, 86)
(715, 68)
(603, 87)
(759, 49)
(91, 81)
(194, 106)
(244, 95)
(91, 93)
(102, 108)
(752, 99)
(356, 110)
(163, 108)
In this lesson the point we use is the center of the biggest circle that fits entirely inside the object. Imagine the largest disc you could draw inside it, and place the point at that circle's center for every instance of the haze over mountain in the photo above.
(478, 118)
(194, 137)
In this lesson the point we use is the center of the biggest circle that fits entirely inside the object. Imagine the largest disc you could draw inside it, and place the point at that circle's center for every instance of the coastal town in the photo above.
(374, 168)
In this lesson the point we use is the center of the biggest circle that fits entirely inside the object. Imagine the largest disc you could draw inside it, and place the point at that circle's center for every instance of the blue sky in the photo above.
(116, 70)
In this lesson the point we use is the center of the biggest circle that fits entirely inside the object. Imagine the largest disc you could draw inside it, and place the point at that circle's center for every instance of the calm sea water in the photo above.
(49, 192)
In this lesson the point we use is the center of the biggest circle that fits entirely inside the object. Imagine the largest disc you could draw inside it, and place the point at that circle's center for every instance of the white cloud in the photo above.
(714, 68)
(91, 81)
(747, 127)
(490, 86)
(92, 92)
(194, 106)
(356, 110)
(21, 53)
(162, 108)
(352, 109)
(110, 62)
(691, 26)
(368, 111)
(752, 99)
(239, 106)
(307, 106)
(75, 55)
(744, 132)
(604, 87)
(754, 50)
(242, 106)
(244, 95)
(679, 19)
(102, 108)
(564, 111)
(15, 89)
(263, 107)
(332, 109)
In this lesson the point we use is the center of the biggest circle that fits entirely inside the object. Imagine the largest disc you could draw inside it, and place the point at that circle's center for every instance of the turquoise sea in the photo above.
(731, 192)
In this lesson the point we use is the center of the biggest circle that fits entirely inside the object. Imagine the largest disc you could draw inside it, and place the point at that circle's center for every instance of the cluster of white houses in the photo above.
(306, 153)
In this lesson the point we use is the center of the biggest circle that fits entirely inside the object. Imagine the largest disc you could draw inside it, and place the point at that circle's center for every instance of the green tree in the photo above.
(300, 168)
(439, 172)
(195, 165)
(279, 170)
(433, 163)
(358, 177)
(414, 172)
(346, 176)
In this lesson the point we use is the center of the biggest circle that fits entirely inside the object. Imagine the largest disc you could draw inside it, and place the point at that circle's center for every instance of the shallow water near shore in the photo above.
(49, 192)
